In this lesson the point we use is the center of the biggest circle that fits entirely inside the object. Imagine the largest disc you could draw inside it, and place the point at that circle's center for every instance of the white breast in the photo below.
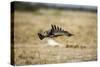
(52, 42)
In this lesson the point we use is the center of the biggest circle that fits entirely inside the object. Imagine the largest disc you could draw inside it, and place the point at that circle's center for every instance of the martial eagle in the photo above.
(55, 31)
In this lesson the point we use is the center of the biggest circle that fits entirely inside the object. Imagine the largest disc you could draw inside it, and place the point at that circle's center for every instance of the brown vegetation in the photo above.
(29, 49)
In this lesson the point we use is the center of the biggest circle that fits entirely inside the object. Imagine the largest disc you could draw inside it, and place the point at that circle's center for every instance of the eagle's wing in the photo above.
(58, 31)
(55, 30)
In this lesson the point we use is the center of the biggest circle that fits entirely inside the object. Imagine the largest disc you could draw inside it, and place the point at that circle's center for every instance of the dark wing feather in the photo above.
(55, 29)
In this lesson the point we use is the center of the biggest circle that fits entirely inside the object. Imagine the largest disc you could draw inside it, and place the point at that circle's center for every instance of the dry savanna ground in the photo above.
(29, 49)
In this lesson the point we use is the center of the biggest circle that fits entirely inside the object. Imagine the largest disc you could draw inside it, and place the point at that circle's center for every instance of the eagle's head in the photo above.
(42, 34)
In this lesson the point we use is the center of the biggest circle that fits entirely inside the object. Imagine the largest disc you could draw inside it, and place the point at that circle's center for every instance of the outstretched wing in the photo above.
(55, 30)
(58, 31)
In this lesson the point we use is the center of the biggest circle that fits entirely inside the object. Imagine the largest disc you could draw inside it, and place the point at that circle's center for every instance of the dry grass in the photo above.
(29, 49)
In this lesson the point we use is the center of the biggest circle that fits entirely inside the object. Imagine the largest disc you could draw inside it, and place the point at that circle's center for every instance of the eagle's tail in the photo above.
(41, 36)
(67, 33)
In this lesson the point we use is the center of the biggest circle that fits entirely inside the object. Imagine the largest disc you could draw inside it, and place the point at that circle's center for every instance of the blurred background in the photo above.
(30, 18)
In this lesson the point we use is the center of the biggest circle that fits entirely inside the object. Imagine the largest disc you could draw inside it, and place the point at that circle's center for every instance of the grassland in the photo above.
(29, 49)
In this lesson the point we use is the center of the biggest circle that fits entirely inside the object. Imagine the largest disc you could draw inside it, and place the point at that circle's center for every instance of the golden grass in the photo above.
(29, 49)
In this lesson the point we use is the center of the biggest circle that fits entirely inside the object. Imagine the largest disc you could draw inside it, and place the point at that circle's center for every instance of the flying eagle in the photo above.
(55, 31)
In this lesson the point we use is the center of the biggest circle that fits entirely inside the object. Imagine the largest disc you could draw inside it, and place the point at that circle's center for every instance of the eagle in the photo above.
(55, 31)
